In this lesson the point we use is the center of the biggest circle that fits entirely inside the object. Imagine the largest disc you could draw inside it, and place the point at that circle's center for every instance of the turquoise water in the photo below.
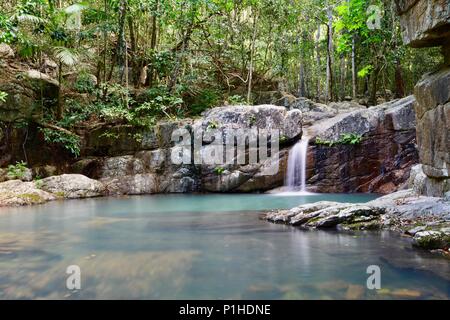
(203, 247)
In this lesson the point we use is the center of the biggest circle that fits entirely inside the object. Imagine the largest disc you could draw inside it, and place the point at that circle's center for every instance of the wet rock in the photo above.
(326, 214)
(406, 293)
(431, 239)
(73, 186)
(414, 230)
(354, 292)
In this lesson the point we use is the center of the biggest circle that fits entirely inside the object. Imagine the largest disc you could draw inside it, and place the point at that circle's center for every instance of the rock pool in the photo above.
(203, 247)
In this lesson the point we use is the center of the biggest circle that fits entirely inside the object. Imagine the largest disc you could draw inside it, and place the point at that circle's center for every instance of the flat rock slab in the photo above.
(427, 219)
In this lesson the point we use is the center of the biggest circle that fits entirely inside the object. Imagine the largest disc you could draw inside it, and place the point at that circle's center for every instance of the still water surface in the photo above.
(203, 247)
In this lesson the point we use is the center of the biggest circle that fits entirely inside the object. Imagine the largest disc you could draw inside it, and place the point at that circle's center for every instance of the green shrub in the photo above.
(70, 142)
(17, 171)
(237, 100)
(345, 139)
(205, 99)
(84, 83)
(350, 138)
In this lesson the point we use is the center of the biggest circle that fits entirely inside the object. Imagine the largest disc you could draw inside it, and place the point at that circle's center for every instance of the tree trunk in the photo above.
(151, 70)
(353, 69)
(374, 86)
(329, 85)
(252, 51)
(133, 50)
(318, 62)
(121, 44)
(399, 82)
(60, 107)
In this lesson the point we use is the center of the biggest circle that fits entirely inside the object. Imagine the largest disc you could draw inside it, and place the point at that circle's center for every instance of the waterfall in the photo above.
(296, 169)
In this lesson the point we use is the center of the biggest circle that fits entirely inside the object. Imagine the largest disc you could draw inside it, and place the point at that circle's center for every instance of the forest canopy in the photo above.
(137, 61)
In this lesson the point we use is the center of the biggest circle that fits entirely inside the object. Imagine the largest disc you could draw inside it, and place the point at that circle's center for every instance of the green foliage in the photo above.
(204, 100)
(38, 182)
(17, 171)
(160, 103)
(213, 124)
(345, 139)
(365, 71)
(84, 83)
(237, 100)
(3, 96)
(70, 142)
(219, 170)
(350, 138)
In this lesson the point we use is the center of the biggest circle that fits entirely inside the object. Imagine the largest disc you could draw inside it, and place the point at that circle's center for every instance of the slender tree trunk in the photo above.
(252, 52)
(374, 85)
(133, 50)
(329, 85)
(353, 69)
(105, 43)
(318, 62)
(151, 72)
(121, 44)
(342, 78)
(399, 82)
(60, 107)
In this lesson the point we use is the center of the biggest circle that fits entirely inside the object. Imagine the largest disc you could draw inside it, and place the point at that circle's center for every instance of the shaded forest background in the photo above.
(137, 61)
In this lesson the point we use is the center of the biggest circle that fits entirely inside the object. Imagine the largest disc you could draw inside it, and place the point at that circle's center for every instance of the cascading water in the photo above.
(296, 169)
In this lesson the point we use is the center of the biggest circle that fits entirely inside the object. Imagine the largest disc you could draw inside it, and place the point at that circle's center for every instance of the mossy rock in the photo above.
(31, 198)
(431, 240)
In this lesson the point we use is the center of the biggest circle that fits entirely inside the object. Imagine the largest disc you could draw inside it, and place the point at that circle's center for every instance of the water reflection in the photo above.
(199, 247)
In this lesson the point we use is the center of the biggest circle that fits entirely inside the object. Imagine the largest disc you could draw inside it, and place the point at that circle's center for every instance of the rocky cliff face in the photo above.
(380, 162)
(134, 161)
(427, 23)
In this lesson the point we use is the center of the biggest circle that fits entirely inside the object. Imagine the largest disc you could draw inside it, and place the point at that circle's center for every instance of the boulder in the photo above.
(261, 116)
(73, 186)
(17, 192)
(325, 214)
(431, 239)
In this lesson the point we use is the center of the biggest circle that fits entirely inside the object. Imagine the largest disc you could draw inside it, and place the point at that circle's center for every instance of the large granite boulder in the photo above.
(289, 123)
(72, 186)
(380, 162)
